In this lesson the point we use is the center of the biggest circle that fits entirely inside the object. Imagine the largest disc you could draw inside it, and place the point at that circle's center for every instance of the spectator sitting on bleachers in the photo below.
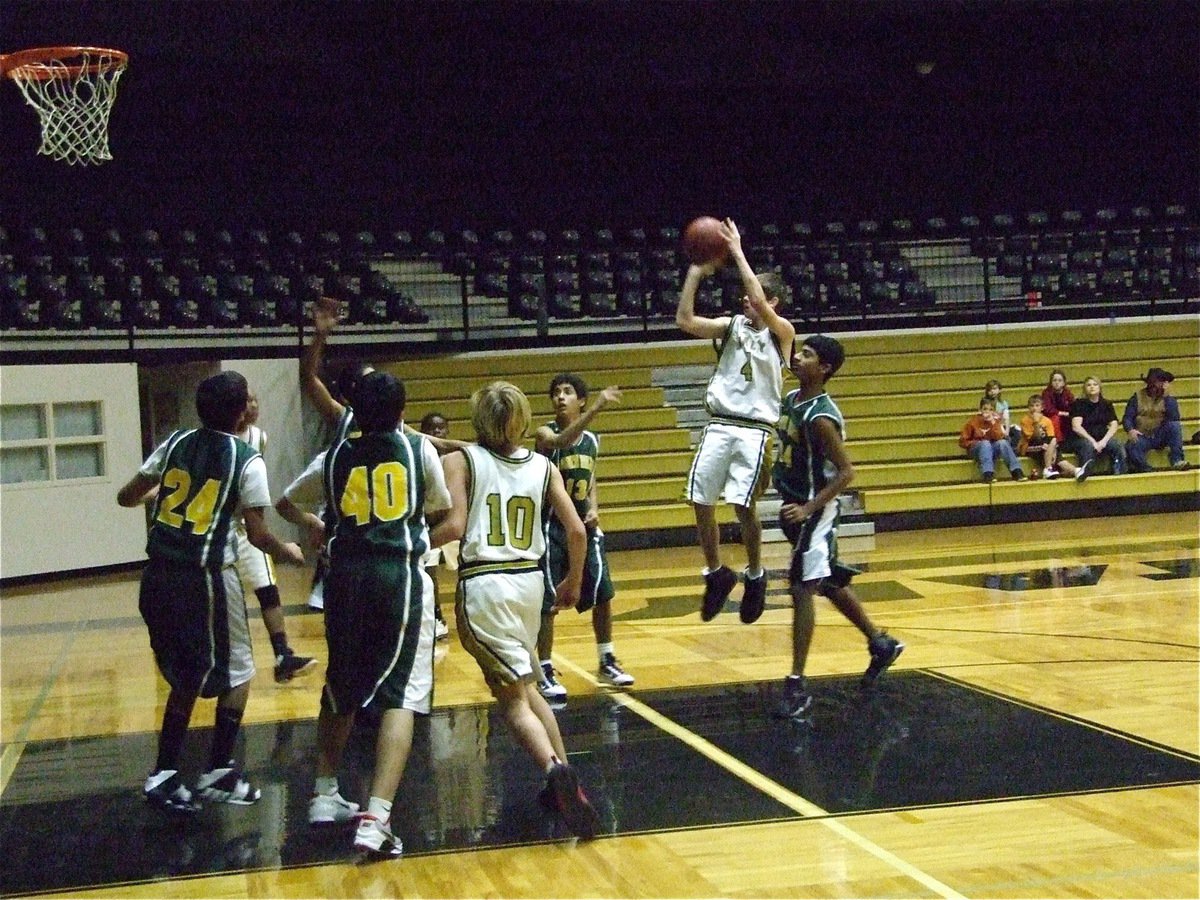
(1094, 426)
(1056, 403)
(983, 437)
(1152, 421)
(1039, 444)
(992, 390)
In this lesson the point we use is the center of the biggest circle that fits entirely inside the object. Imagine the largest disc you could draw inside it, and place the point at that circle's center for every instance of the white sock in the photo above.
(604, 650)
(755, 575)
(380, 809)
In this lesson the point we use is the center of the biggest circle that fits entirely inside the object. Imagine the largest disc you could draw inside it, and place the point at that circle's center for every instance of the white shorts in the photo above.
(255, 567)
(499, 615)
(241, 655)
(418, 692)
(734, 459)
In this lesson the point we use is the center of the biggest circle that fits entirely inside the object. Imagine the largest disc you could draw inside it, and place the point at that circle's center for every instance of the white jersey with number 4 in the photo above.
(506, 527)
(748, 381)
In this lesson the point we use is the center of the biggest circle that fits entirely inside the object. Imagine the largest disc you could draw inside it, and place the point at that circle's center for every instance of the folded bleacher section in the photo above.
(530, 284)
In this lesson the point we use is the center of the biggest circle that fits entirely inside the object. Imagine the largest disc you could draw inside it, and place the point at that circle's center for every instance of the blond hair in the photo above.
(501, 416)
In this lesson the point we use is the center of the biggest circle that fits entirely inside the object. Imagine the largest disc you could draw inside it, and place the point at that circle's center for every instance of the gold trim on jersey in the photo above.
(722, 419)
(490, 567)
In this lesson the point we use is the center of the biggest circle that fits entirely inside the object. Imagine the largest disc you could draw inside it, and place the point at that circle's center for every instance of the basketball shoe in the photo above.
(577, 811)
(330, 809)
(165, 790)
(717, 585)
(226, 785)
(754, 597)
(883, 649)
(289, 665)
(549, 686)
(611, 672)
(375, 836)
(796, 701)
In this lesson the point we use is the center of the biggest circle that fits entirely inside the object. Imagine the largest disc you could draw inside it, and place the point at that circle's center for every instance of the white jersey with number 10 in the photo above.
(505, 512)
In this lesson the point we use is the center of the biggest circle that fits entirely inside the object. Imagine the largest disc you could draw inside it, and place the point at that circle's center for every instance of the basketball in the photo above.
(703, 243)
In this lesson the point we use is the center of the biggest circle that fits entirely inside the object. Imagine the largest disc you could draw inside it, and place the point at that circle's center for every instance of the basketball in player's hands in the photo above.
(703, 242)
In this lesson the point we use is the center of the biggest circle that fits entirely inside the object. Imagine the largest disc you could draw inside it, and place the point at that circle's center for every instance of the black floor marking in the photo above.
(72, 815)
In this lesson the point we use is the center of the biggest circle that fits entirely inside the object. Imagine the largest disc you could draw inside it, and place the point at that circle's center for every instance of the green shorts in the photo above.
(597, 585)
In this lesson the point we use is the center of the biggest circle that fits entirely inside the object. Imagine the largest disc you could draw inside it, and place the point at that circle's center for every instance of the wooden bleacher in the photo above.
(905, 396)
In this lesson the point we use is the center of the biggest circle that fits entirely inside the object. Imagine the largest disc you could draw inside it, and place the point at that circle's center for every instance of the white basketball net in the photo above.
(73, 101)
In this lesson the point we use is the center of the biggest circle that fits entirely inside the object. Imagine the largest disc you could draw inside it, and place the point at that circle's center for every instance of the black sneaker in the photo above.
(883, 649)
(754, 598)
(577, 811)
(289, 665)
(989, 477)
(546, 799)
(795, 702)
(717, 585)
(1017, 474)
(165, 790)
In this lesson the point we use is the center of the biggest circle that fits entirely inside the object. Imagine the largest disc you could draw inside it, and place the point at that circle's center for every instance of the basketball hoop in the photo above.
(72, 89)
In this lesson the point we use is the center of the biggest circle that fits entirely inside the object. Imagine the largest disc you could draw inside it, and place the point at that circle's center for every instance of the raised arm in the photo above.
(324, 319)
(685, 313)
(441, 445)
(547, 441)
(779, 326)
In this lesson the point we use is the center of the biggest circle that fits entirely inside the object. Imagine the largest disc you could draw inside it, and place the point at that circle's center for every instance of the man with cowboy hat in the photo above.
(1152, 422)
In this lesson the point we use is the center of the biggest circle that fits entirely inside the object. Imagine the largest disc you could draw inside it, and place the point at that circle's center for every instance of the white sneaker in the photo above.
(440, 630)
(548, 685)
(227, 785)
(330, 809)
(1050, 473)
(376, 837)
(611, 672)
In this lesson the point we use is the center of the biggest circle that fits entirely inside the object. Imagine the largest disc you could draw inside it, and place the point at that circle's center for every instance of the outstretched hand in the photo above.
(611, 394)
(732, 236)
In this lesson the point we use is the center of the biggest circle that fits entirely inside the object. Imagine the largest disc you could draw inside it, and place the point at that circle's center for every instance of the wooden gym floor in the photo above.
(1038, 738)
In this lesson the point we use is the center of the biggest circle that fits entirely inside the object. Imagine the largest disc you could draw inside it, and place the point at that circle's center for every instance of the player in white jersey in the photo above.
(734, 456)
(500, 491)
(258, 572)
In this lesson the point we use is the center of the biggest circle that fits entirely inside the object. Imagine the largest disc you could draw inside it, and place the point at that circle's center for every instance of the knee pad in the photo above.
(268, 597)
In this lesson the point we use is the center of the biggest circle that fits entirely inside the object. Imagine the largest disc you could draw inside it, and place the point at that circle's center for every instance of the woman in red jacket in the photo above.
(1056, 403)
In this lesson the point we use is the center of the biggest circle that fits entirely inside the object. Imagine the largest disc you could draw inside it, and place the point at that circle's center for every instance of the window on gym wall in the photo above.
(46, 442)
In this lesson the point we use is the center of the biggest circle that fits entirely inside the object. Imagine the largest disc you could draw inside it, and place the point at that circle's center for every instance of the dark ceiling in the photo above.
(447, 113)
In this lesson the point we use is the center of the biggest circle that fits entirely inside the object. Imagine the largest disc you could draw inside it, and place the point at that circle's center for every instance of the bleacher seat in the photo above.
(17, 308)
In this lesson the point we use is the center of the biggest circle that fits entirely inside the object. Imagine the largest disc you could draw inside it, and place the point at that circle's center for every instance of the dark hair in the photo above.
(573, 380)
(829, 351)
(345, 378)
(221, 399)
(1034, 398)
(379, 402)
(773, 285)
(985, 400)
(428, 419)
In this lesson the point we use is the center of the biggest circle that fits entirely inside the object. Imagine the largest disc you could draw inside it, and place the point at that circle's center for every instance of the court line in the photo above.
(761, 782)
(8, 761)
